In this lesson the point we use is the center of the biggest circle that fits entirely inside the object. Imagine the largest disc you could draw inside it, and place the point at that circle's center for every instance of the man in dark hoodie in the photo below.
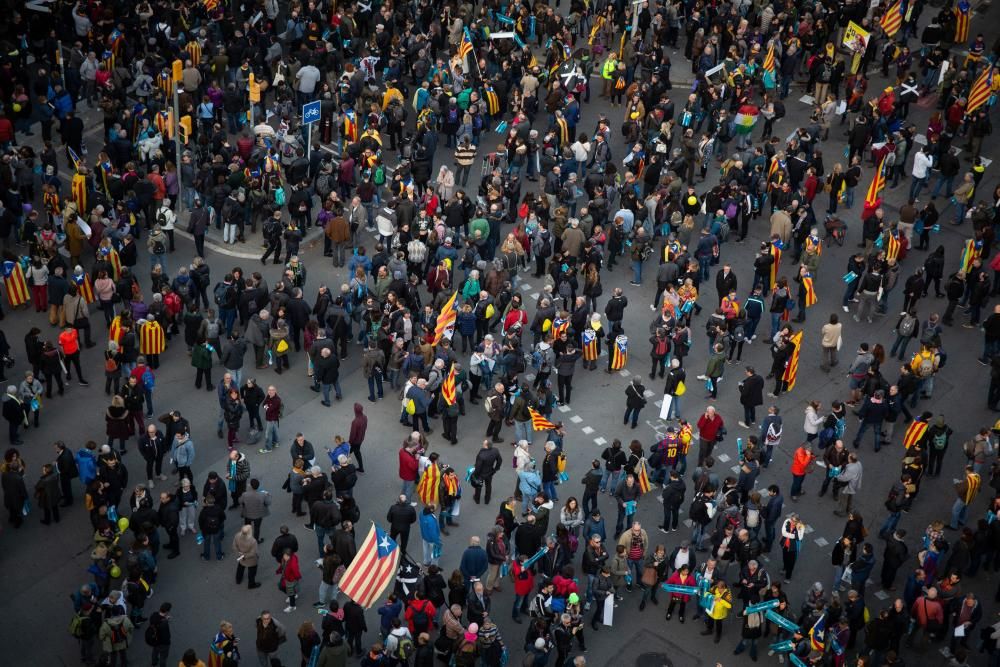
(673, 497)
(359, 426)
(872, 414)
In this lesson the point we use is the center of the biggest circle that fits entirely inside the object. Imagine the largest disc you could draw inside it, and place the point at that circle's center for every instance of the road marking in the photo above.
(647, 393)
(600, 441)
(625, 373)
(525, 286)
(735, 468)
(576, 419)
(564, 408)
(587, 430)
(534, 296)
(881, 595)
(821, 541)
(722, 457)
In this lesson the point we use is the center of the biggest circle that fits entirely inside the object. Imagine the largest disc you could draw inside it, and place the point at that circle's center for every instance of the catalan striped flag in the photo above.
(892, 246)
(350, 126)
(539, 422)
(981, 90)
(892, 20)
(963, 18)
(164, 121)
(108, 60)
(165, 82)
(446, 320)
(810, 290)
(914, 433)
(115, 331)
(769, 58)
(210, 5)
(84, 286)
(151, 340)
(78, 189)
(791, 373)
(619, 353)
(372, 569)
(492, 101)
(448, 391)
(111, 255)
(563, 131)
(116, 41)
(589, 340)
(73, 157)
(642, 477)
(873, 196)
(776, 253)
(429, 485)
(465, 48)
(193, 49)
(598, 24)
(14, 283)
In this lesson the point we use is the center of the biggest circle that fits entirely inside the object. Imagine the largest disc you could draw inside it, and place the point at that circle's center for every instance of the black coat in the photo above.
(400, 517)
(752, 391)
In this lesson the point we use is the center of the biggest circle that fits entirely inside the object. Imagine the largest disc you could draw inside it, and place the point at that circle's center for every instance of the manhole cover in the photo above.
(653, 660)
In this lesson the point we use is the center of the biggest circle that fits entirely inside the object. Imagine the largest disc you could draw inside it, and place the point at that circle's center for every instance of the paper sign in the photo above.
(807, 99)
(855, 37)
(715, 70)
(665, 406)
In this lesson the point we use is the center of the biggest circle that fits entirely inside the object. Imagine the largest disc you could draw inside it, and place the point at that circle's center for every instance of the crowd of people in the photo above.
(422, 263)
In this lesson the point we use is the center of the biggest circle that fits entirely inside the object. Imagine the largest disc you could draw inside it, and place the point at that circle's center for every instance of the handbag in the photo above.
(648, 576)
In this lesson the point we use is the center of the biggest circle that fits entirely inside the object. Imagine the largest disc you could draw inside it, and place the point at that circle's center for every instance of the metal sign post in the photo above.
(310, 115)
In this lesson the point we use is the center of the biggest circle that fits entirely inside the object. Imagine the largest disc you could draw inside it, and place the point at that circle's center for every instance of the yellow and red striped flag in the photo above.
(872, 198)
(769, 58)
(892, 20)
(448, 387)
(446, 320)
(539, 422)
(78, 188)
(589, 340)
(981, 91)
(559, 326)
(151, 340)
(84, 287)
(810, 290)
(465, 46)
(969, 253)
(429, 484)
(776, 253)
(642, 477)
(914, 433)
(892, 246)
(619, 353)
(15, 284)
(115, 331)
(791, 373)
(372, 569)
(963, 18)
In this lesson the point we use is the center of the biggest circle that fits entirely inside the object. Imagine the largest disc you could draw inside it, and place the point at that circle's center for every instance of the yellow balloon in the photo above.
(123, 524)
(115, 572)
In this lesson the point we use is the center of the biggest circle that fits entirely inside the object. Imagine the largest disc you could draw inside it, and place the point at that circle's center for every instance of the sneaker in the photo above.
(264, 451)
(84, 383)
(289, 609)
(308, 526)
(663, 530)
(846, 309)
(743, 424)
(586, 607)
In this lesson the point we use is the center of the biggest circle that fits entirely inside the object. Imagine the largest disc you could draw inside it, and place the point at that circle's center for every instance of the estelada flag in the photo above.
(116, 262)
(914, 433)
(872, 198)
(448, 387)
(981, 91)
(776, 254)
(791, 373)
(539, 422)
(430, 482)
(15, 284)
(151, 340)
(892, 20)
(78, 188)
(642, 477)
(963, 17)
(372, 569)
(559, 325)
(892, 246)
(619, 353)
(84, 287)
(589, 339)
(810, 290)
(817, 634)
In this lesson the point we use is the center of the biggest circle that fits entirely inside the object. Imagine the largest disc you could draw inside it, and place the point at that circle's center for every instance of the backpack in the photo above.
(147, 380)
(220, 293)
(211, 524)
(421, 622)
(279, 196)
(378, 178)
(405, 648)
(753, 517)
(161, 218)
(118, 635)
(159, 248)
(907, 326)
(731, 209)
(79, 626)
(453, 114)
(152, 635)
(926, 367)
(940, 440)
(827, 436)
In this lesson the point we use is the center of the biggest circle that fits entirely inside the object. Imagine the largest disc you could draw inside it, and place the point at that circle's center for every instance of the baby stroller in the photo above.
(835, 228)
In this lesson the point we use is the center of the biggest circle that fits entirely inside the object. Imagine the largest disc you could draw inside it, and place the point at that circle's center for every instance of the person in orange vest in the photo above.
(69, 343)
(802, 461)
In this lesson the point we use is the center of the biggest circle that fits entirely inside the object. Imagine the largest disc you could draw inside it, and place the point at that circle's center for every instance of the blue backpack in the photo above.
(148, 381)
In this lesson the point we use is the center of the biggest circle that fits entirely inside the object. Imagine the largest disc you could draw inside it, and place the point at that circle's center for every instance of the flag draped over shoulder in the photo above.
(963, 18)
(430, 482)
(776, 254)
(448, 387)
(642, 477)
(15, 284)
(446, 320)
(372, 569)
(84, 286)
(873, 195)
(810, 290)
(792, 368)
(914, 433)
(619, 353)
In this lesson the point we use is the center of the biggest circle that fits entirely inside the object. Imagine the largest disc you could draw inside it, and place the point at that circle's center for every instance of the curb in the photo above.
(308, 241)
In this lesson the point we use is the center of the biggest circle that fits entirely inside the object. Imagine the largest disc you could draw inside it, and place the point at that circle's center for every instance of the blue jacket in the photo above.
(530, 483)
(182, 454)
(466, 324)
(474, 563)
(430, 530)
(86, 463)
(387, 612)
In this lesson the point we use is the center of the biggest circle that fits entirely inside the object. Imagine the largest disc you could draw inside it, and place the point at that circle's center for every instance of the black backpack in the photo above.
(421, 621)
(159, 248)
(152, 635)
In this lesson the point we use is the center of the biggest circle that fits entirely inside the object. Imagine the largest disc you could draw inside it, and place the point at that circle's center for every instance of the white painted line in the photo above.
(647, 393)
(735, 468)
(525, 286)
(688, 523)
(723, 457)
(807, 99)
(821, 541)
(600, 441)
(576, 419)
(534, 296)
(881, 595)
(658, 403)
(587, 430)
(625, 373)
(564, 408)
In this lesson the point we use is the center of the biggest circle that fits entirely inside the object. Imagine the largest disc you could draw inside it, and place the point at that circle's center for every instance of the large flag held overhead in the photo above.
(15, 284)
(963, 17)
(792, 369)
(539, 422)
(892, 20)
(429, 484)
(817, 634)
(465, 47)
(746, 118)
(446, 320)
(981, 90)
(448, 391)
(372, 569)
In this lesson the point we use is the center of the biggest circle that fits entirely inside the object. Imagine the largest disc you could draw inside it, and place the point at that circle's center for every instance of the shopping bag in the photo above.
(609, 610)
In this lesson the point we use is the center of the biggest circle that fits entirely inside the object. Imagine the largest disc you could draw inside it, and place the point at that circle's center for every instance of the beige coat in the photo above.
(246, 546)
(781, 224)
(831, 334)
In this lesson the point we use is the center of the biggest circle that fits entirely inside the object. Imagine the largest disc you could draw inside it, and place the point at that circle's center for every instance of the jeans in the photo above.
(633, 415)
(797, 485)
(609, 480)
(550, 490)
(429, 558)
(523, 431)
(325, 389)
(207, 550)
(636, 271)
(958, 513)
(321, 534)
(947, 181)
(901, 343)
(270, 435)
(916, 186)
(775, 323)
(327, 592)
(375, 381)
(865, 425)
(674, 411)
(520, 606)
(159, 658)
(889, 525)
(409, 487)
(697, 535)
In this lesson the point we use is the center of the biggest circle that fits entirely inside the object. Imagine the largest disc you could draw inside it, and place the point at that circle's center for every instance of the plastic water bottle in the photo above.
(199, 539)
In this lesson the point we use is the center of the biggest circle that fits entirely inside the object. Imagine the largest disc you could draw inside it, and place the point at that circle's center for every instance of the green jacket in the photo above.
(201, 356)
(610, 67)
(716, 364)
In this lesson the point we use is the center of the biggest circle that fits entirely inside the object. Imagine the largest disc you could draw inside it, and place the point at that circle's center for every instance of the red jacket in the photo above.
(359, 426)
(412, 607)
(515, 316)
(69, 341)
(407, 466)
(524, 579)
(290, 570)
(708, 429)
(272, 408)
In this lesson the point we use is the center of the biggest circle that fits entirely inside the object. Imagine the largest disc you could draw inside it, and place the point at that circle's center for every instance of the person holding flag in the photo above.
(448, 406)
(591, 342)
(14, 283)
(807, 292)
(617, 352)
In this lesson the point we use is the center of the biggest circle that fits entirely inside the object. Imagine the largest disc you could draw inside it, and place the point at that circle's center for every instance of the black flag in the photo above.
(407, 577)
